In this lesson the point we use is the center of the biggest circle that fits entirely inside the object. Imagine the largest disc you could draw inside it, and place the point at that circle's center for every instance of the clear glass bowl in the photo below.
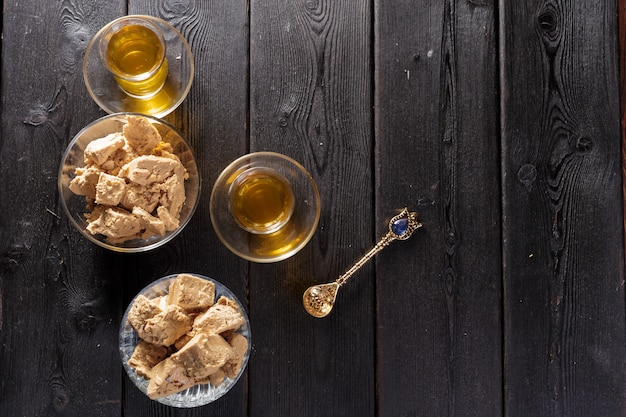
(75, 206)
(197, 395)
(288, 239)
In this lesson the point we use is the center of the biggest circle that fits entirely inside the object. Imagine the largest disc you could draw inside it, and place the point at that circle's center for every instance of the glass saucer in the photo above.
(110, 97)
(288, 239)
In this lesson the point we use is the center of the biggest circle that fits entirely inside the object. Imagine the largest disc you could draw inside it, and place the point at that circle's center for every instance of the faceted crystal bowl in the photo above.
(196, 395)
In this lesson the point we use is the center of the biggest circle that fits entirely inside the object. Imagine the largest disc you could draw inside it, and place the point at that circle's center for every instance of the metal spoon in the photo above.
(319, 299)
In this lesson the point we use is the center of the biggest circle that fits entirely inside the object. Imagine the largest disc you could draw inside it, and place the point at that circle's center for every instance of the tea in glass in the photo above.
(261, 200)
(265, 206)
(133, 50)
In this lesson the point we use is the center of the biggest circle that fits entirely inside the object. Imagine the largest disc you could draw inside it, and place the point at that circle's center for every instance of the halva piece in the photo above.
(202, 356)
(158, 324)
(146, 356)
(116, 223)
(166, 327)
(143, 309)
(98, 151)
(109, 189)
(191, 293)
(219, 318)
(141, 135)
(240, 346)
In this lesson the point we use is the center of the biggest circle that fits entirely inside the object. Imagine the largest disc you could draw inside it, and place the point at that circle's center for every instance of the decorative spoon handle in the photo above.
(401, 227)
(319, 299)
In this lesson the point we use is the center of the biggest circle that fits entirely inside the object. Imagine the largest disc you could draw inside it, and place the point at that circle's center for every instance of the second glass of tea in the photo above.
(133, 49)
(265, 207)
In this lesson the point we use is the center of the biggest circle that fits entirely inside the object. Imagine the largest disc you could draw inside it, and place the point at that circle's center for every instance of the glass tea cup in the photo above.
(265, 207)
(133, 51)
(261, 200)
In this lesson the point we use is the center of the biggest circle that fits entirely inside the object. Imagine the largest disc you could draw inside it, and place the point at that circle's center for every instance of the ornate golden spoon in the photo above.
(318, 300)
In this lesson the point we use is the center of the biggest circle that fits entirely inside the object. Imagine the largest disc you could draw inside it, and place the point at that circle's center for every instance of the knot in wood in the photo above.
(549, 22)
(14, 256)
(36, 116)
(311, 4)
(86, 314)
(451, 238)
(60, 401)
(178, 7)
(283, 120)
(584, 144)
(527, 174)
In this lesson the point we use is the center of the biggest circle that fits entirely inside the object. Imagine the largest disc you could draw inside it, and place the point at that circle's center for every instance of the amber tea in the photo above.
(134, 52)
(261, 200)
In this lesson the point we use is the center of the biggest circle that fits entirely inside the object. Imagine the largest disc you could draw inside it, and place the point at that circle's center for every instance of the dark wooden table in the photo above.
(499, 122)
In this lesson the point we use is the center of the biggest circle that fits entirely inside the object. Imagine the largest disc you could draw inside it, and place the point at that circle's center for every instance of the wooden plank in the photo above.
(310, 95)
(213, 118)
(438, 294)
(622, 90)
(58, 314)
(565, 344)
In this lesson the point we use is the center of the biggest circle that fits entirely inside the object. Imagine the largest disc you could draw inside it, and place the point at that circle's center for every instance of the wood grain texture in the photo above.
(499, 122)
(437, 148)
(58, 293)
(213, 118)
(310, 95)
(563, 223)
(622, 94)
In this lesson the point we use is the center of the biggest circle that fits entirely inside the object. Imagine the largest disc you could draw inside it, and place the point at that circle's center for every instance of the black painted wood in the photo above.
(438, 294)
(214, 119)
(563, 226)
(59, 300)
(310, 97)
(499, 122)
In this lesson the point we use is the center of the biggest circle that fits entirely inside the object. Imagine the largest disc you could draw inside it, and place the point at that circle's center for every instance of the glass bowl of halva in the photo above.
(129, 182)
(185, 340)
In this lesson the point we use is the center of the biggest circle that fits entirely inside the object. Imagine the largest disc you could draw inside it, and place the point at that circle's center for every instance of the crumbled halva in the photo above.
(150, 223)
(165, 327)
(191, 293)
(202, 356)
(240, 346)
(128, 170)
(137, 195)
(85, 181)
(98, 151)
(141, 135)
(150, 169)
(142, 309)
(216, 378)
(173, 194)
(169, 220)
(115, 223)
(219, 318)
(146, 356)
(199, 356)
(109, 189)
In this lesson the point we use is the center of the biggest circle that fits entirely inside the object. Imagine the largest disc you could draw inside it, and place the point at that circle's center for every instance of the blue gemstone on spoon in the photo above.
(400, 226)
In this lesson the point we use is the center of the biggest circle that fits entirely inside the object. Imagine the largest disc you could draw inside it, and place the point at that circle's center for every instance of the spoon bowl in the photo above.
(318, 300)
